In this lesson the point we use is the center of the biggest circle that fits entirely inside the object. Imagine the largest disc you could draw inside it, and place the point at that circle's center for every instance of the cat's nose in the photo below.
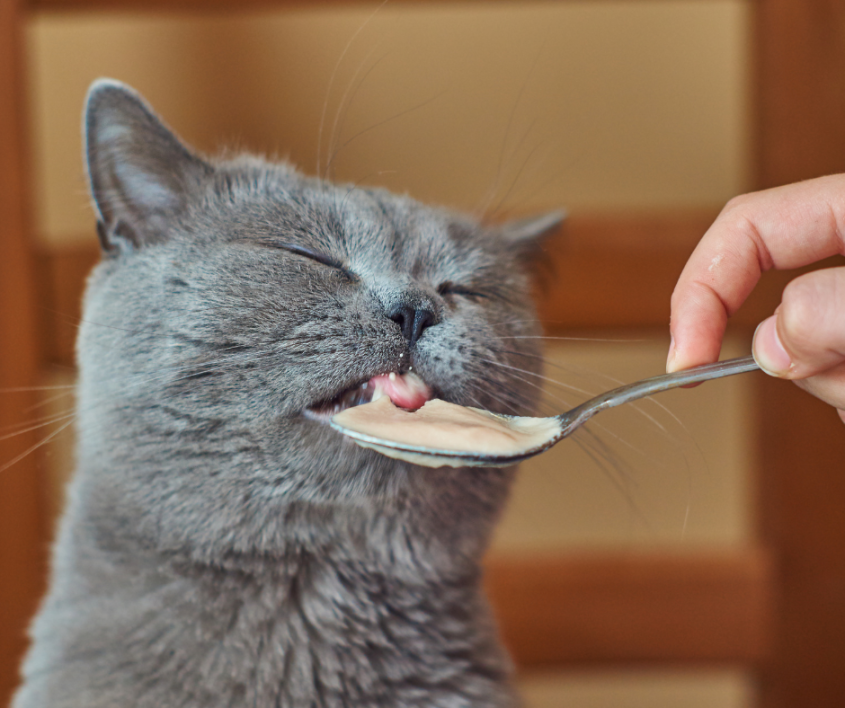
(412, 321)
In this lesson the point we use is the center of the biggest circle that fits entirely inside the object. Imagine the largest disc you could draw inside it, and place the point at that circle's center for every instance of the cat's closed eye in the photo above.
(317, 256)
(448, 288)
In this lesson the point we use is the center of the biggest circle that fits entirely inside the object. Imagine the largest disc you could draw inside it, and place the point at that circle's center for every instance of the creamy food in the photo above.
(438, 428)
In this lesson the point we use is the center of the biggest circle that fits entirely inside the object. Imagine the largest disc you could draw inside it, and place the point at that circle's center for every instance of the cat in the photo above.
(222, 545)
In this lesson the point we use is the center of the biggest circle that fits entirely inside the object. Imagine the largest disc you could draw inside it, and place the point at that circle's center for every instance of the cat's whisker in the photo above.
(604, 459)
(343, 54)
(639, 410)
(611, 460)
(554, 382)
(492, 215)
(535, 191)
(472, 398)
(572, 339)
(637, 406)
(29, 426)
(616, 461)
(622, 441)
(77, 322)
(594, 423)
(563, 385)
(634, 405)
(570, 369)
(484, 205)
(29, 389)
(72, 415)
(511, 407)
(516, 320)
(380, 123)
(35, 447)
(482, 210)
(343, 106)
(50, 399)
(535, 386)
(524, 138)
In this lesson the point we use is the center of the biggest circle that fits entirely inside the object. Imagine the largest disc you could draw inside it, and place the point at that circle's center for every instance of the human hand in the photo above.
(785, 227)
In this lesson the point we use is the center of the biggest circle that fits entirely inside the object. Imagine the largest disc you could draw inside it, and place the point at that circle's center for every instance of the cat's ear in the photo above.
(531, 231)
(141, 175)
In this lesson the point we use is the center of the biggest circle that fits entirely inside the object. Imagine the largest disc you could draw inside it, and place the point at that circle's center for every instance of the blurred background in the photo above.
(637, 565)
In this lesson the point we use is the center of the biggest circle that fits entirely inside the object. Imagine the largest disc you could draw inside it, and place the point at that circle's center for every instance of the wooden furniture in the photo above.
(777, 608)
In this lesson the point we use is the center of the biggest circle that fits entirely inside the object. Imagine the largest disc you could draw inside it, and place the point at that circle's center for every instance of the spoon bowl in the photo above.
(519, 437)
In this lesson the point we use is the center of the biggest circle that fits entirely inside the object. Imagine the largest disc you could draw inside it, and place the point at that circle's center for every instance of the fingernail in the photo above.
(671, 356)
(768, 350)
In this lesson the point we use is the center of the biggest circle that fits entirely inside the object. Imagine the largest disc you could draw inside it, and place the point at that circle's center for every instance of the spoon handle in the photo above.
(656, 384)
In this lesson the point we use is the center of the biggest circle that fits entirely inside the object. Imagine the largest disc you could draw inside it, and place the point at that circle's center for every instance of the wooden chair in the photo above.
(777, 608)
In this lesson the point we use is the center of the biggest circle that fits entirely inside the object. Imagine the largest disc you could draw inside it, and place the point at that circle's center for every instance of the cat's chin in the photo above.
(407, 391)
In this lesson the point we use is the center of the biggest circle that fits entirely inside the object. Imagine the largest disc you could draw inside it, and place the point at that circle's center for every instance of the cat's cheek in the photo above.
(445, 360)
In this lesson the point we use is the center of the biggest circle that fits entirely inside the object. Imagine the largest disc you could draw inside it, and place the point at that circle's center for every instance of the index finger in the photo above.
(784, 227)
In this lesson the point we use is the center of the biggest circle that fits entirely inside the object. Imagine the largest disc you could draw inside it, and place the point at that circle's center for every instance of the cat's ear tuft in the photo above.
(141, 175)
(531, 231)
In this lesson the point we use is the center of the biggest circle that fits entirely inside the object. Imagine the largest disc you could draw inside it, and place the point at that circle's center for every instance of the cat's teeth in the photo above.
(407, 391)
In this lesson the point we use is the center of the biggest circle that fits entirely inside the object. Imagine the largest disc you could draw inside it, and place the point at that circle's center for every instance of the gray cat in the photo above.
(222, 545)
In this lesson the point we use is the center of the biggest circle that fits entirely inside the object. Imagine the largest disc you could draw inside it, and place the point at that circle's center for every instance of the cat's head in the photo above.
(238, 302)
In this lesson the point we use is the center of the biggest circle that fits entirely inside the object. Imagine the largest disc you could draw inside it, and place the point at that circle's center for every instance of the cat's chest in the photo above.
(321, 639)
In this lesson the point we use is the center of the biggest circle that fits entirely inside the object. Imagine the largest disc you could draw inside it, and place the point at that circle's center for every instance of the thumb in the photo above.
(805, 339)
(806, 335)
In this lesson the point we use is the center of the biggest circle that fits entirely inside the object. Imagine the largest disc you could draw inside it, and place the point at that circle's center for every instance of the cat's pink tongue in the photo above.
(404, 390)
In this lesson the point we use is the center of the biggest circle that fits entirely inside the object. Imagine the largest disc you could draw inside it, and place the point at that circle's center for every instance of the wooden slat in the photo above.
(174, 5)
(628, 608)
(802, 457)
(215, 5)
(800, 65)
(800, 128)
(22, 538)
(609, 271)
(618, 271)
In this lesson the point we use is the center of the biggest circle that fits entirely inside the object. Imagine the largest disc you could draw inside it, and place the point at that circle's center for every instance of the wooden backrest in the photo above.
(777, 608)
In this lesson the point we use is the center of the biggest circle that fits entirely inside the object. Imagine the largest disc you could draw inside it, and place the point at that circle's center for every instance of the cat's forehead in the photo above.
(353, 223)
(411, 236)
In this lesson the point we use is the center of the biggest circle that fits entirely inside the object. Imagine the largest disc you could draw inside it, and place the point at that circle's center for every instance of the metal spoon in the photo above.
(553, 429)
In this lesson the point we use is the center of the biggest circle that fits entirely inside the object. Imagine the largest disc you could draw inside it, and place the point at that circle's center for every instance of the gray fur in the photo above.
(219, 548)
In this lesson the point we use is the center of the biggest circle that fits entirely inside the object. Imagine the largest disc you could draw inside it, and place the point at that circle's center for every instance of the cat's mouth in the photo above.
(406, 391)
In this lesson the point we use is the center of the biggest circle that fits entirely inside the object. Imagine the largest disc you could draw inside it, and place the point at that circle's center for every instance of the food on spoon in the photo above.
(439, 427)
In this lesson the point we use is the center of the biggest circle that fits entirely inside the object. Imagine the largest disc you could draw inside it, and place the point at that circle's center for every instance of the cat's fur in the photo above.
(220, 548)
